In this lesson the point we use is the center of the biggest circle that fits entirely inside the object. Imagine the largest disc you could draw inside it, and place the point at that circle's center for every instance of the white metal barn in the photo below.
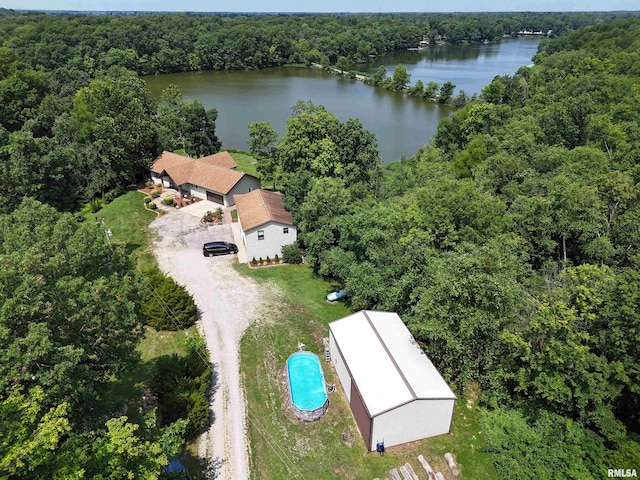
(395, 392)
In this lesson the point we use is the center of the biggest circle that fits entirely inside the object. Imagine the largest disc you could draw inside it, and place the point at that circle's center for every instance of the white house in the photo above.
(394, 391)
(264, 224)
(212, 178)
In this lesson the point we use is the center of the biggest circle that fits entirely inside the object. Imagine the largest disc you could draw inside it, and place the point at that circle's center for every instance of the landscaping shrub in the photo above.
(168, 200)
(147, 200)
(209, 216)
(291, 253)
(198, 414)
(93, 206)
(182, 385)
(155, 193)
(153, 206)
(114, 193)
(170, 306)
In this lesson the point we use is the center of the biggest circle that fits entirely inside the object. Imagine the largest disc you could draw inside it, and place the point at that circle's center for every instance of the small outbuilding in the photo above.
(265, 225)
(395, 393)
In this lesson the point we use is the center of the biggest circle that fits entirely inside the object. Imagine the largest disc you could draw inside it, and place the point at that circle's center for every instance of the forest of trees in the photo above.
(66, 138)
(164, 43)
(510, 243)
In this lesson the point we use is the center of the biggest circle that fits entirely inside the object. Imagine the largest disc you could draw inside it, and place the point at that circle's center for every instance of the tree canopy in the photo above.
(70, 322)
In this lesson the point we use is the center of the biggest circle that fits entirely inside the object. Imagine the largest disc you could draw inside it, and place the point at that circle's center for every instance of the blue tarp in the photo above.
(175, 468)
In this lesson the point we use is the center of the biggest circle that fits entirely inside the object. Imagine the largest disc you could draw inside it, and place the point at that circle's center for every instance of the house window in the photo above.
(260, 234)
(285, 229)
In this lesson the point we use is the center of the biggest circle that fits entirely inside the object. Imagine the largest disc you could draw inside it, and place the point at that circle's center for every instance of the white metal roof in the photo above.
(387, 365)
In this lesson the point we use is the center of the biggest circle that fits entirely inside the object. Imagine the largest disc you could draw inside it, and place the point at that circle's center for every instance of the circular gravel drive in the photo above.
(228, 302)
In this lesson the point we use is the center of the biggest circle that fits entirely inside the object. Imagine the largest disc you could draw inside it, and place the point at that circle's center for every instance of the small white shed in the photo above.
(396, 394)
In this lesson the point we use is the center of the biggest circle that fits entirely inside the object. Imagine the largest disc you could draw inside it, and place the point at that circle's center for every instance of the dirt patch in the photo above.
(229, 303)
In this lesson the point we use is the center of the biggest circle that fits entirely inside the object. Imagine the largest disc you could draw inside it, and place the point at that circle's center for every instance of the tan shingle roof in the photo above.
(207, 172)
(222, 159)
(213, 177)
(259, 207)
(168, 159)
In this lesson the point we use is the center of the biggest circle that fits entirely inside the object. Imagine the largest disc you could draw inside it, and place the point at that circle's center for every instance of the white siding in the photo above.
(273, 241)
(246, 184)
(198, 192)
(166, 181)
(340, 366)
(413, 421)
(155, 178)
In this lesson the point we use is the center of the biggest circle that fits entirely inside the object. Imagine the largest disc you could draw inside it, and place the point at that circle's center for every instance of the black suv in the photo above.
(218, 248)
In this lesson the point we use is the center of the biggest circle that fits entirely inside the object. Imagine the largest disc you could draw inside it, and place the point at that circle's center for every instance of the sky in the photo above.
(326, 5)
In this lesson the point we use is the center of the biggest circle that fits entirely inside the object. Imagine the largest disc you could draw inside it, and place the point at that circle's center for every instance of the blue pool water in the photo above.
(306, 381)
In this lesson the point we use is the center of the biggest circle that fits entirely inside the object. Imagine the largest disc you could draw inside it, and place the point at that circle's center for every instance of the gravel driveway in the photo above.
(229, 302)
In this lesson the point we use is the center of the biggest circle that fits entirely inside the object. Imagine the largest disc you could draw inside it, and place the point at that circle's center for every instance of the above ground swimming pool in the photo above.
(307, 389)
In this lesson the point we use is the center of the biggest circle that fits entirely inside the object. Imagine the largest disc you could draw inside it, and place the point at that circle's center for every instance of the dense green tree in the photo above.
(115, 116)
(31, 434)
(69, 324)
(555, 360)
(70, 306)
(317, 142)
(342, 64)
(170, 305)
(186, 125)
(379, 77)
(182, 383)
(400, 78)
(417, 90)
(263, 143)
(470, 296)
(431, 90)
(203, 42)
(467, 159)
(446, 92)
(551, 446)
(20, 95)
(493, 92)
(133, 450)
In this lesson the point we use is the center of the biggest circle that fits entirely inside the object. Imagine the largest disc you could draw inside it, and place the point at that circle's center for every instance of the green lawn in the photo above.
(284, 447)
(154, 345)
(128, 220)
(246, 162)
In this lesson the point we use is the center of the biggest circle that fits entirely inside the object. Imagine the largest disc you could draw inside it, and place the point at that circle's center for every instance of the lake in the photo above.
(401, 123)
